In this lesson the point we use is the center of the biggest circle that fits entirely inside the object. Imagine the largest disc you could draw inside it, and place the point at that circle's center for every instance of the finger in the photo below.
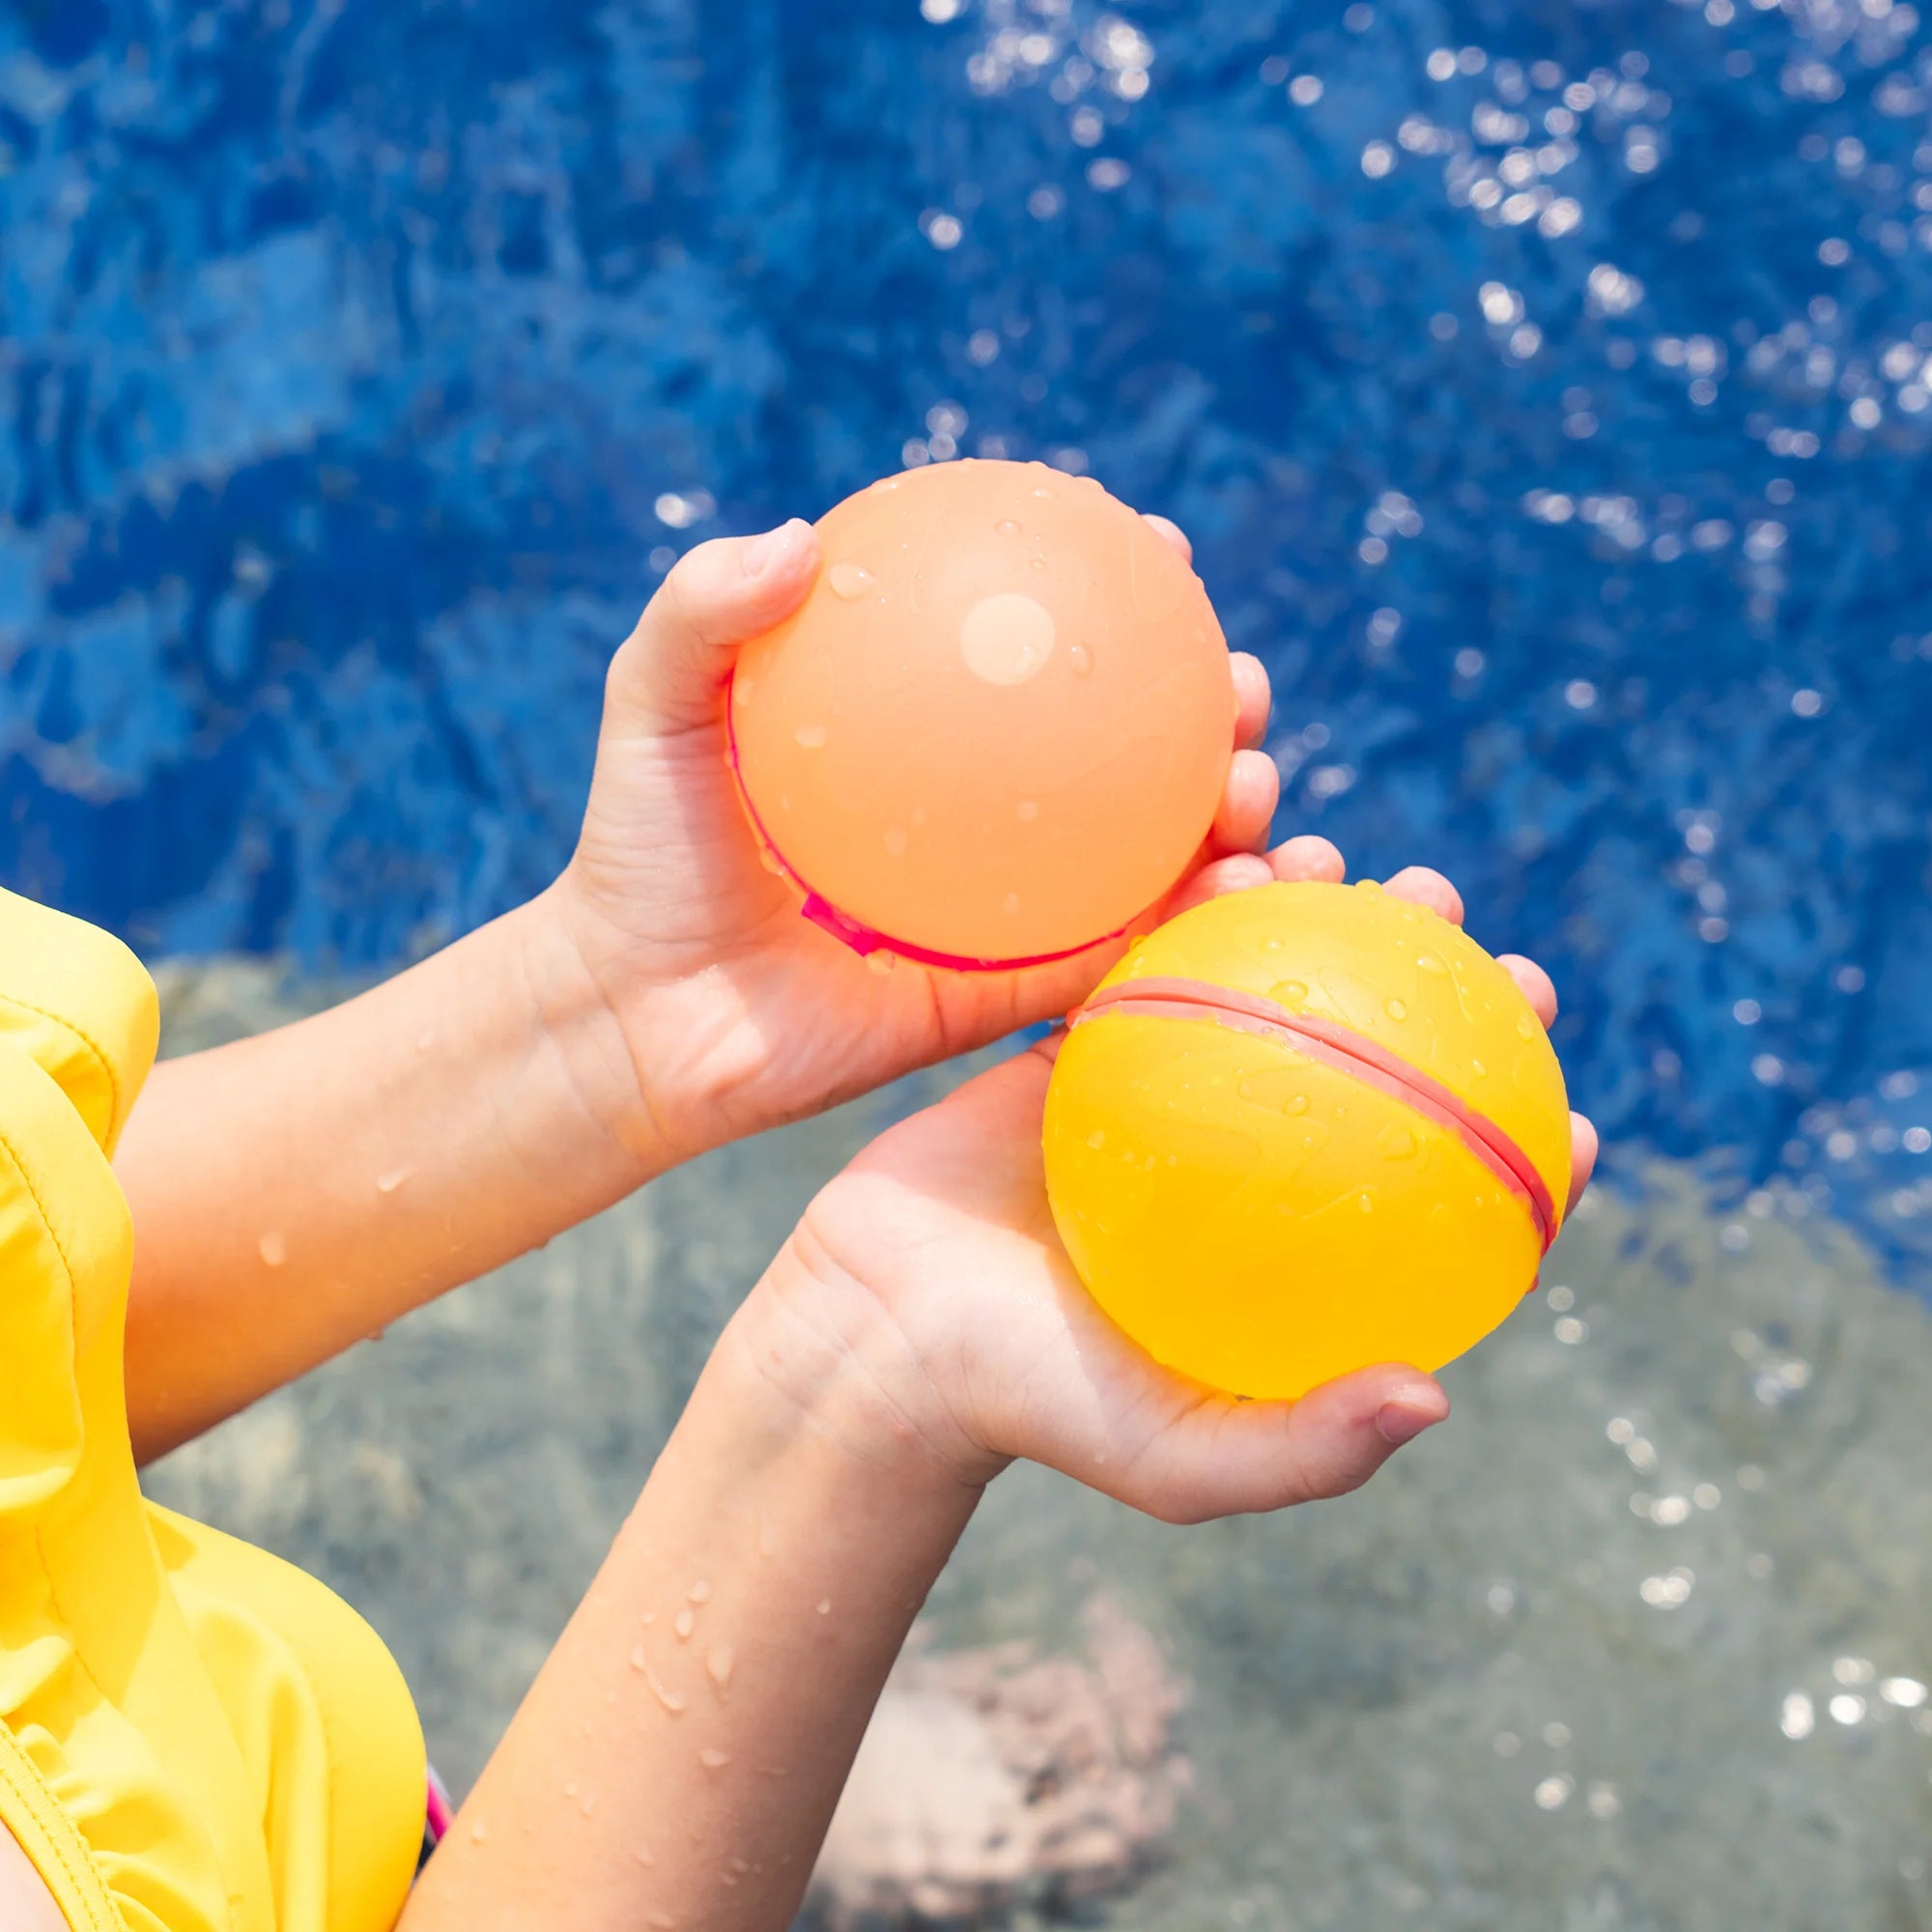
(1253, 699)
(1233, 874)
(1422, 886)
(1308, 858)
(1583, 1147)
(1172, 533)
(669, 673)
(1224, 1458)
(1247, 803)
(1535, 985)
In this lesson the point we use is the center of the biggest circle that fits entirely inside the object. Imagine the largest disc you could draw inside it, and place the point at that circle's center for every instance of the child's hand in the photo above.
(737, 1012)
(925, 1305)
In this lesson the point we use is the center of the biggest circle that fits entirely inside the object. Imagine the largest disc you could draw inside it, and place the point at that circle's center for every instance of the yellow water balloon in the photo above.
(1302, 1129)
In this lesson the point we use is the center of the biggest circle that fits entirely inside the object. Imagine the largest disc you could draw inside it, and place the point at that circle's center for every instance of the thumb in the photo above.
(670, 672)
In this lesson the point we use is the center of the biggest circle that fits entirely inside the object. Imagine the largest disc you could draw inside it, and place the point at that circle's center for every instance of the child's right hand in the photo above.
(925, 1308)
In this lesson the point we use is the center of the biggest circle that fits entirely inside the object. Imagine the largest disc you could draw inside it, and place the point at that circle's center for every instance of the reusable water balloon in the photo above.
(1302, 1129)
(999, 727)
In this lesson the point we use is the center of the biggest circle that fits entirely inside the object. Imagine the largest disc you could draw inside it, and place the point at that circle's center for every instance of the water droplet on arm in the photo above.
(719, 1664)
(714, 1760)
(387, 1183)
(1080, 658)
(683, 1624)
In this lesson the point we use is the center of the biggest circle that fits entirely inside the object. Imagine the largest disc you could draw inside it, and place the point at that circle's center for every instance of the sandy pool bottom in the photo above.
(1640, 1639)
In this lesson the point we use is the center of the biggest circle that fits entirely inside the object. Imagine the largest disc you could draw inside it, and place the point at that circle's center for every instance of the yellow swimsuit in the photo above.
(194, 1737)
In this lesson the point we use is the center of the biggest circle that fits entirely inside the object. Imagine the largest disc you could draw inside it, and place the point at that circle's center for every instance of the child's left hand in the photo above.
(737, 1013)
(925, 1310)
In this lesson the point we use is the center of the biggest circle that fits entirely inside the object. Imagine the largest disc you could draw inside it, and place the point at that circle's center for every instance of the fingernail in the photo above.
(761, 552)
(1405, 1416)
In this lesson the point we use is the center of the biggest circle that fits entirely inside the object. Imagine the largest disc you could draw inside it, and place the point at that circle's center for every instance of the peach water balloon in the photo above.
(999, 727)
(1303, 1129)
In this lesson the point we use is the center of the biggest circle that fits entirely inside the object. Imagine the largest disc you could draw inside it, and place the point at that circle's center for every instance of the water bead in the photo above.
(851, 580)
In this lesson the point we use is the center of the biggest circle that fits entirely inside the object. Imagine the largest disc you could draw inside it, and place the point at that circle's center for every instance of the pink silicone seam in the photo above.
(1348, 1052)
(865, 939)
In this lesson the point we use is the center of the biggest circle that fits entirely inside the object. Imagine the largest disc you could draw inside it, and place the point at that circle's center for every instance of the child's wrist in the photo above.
(820, 1345)
(603, 1109)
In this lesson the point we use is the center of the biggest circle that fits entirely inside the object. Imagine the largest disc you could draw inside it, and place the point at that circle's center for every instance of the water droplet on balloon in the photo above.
(387, 1183)
(1477, 1067)
(478, 1832)
(1526, 1026)
(880, 961)
(273, 1248)
(1396, 1142)
(850, 580)
(1297, 1103)
(1029, 810)
(1367, 1202)
(1097, 1139)
(1080, 658)
(811, 736)
(1290, 993)
(1036, 563)
(1427, 962)
(895, 842)
(1010, 903)
(1008, 527)
(1395, 1010)
(1007, 637)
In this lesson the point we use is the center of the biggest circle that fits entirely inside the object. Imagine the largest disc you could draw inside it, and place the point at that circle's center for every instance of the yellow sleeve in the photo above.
(193, 1737)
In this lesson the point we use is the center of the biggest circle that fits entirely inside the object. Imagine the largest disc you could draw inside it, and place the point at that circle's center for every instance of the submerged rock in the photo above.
(994, 1776)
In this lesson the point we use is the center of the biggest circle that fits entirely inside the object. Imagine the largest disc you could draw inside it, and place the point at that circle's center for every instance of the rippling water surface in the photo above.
(1545, 386)
(1548, 388)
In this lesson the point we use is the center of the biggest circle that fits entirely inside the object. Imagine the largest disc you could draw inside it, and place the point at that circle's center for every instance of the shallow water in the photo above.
(1548, 391)
(1636, 1640)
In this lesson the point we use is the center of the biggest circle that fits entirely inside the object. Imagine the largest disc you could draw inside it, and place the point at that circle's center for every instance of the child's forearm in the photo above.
(293, 1193)
(679, 1756)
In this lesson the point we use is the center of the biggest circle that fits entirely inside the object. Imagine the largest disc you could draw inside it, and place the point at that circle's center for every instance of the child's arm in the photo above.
(679, 1756)
(26, 1905)
(293, 1193)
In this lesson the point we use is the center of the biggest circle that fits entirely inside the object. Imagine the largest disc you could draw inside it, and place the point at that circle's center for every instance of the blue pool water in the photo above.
(1546, 386)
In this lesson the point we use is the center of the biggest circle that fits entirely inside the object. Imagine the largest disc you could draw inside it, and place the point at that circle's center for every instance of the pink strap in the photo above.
(864, 939)
(1352, 1053)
